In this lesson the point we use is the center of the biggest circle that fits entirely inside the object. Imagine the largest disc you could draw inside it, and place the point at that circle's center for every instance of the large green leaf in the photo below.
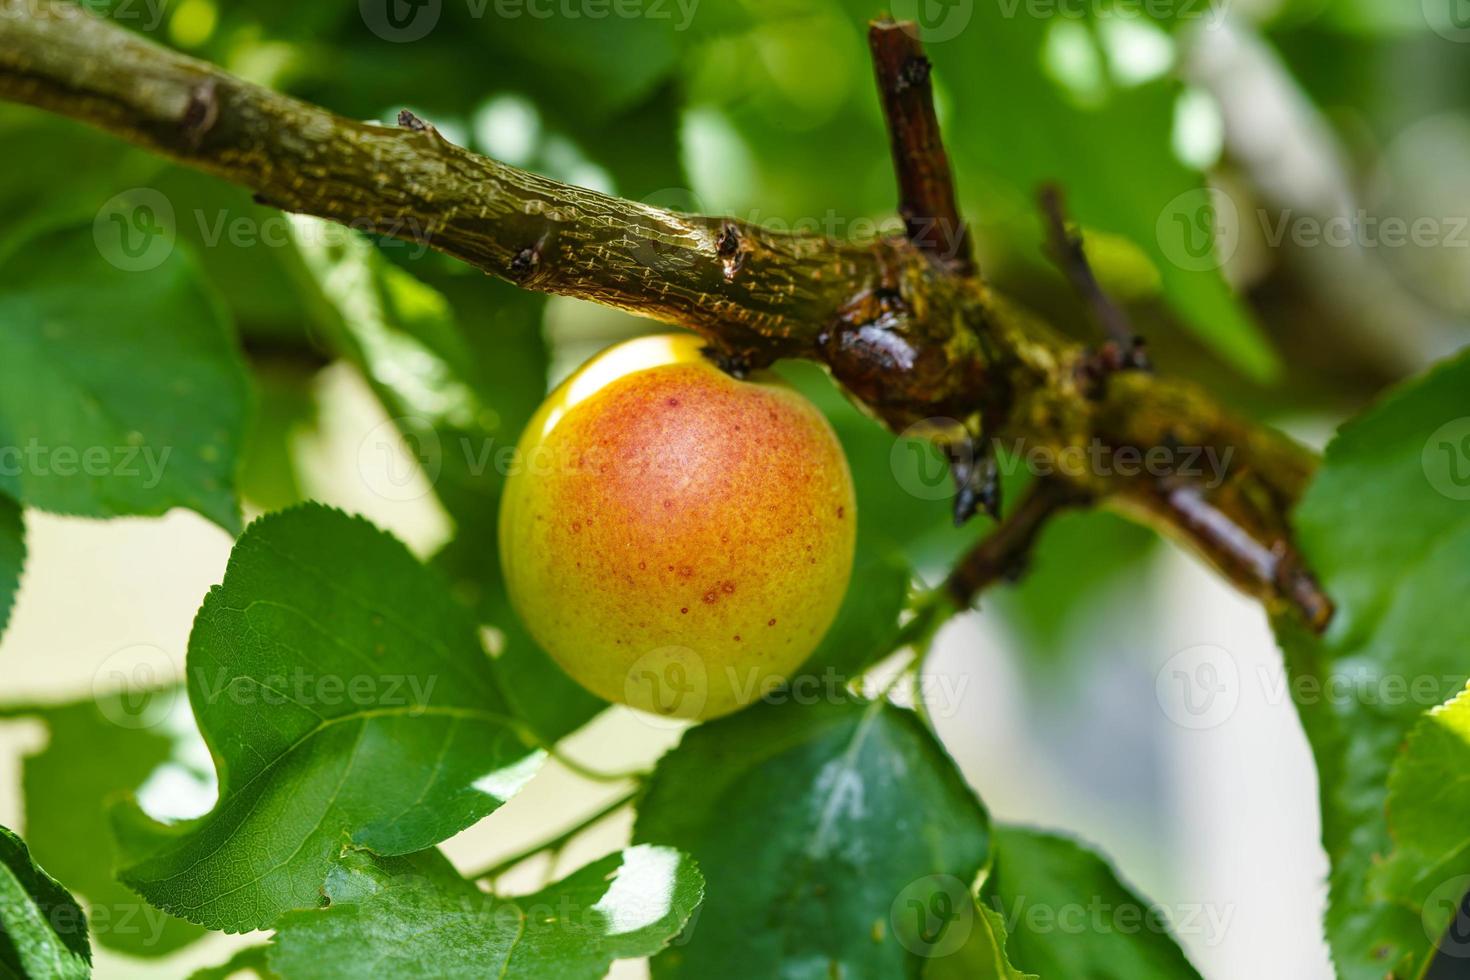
(122, 396)
(415, 916)
(43, 932)
(346, 698)
(96, 749)
(1428, 800)
(1070, 916)
(12, 555)
(817, 827)
(1386, 525)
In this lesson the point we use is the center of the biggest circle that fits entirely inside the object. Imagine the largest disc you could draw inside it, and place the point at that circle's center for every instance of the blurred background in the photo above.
(1278, 191)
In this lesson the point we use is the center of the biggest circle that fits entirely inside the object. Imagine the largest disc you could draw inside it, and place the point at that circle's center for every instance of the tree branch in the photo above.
(1004, 552)
(926, 198)
(1066, 250)
(902, 322)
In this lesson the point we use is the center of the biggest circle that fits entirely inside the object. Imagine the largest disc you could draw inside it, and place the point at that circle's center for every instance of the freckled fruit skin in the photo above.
(676, 539)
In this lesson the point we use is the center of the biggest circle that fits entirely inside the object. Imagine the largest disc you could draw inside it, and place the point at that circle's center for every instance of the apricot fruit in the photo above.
(678, 540)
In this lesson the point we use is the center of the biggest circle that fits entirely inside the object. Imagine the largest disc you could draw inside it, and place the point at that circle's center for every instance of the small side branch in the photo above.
(1004, 552)
(1126, 347)
(926, 198)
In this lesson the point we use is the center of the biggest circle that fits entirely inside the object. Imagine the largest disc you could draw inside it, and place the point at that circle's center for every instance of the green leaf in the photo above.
(97, 749)
(982, 957)
(1386, 527)
(815, 825)
(345, 697)
(123, 397)
(12, 556)
(1016, 124)
(1428, 798)
(416, 916)
(1069, 915)
(43, 932)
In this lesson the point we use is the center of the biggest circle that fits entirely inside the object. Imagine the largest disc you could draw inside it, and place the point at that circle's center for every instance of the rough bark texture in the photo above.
(904, 323)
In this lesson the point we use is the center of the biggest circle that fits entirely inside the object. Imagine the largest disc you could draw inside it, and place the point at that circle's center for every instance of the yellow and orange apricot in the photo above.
(678, 540)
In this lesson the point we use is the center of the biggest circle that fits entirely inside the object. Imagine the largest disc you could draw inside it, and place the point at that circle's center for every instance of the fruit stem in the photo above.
(561, 840)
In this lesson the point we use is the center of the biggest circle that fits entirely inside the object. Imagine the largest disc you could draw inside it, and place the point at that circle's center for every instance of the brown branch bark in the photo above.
(902, 322)
(926, 196)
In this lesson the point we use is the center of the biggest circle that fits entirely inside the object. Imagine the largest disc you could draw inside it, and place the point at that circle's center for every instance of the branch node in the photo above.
(977, 479)
(1095, 366)
(915, 72)
(731, 249)
(414, 124)
(525, 262)
(200, 113)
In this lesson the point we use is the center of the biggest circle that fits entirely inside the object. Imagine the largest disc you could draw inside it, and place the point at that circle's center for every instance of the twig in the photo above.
(1004, 552)
(559, 841)
(1065, 246)
(588, 773)
(926, 197)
